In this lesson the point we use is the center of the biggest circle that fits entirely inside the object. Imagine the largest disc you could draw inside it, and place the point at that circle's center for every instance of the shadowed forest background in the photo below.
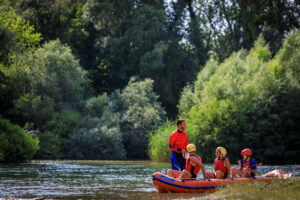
(106, 79)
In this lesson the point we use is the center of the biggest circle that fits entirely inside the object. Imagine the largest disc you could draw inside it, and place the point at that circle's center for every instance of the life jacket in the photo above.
(220, 166)
(251, 163)
(246, 163)
(178, 141)
(194, 170)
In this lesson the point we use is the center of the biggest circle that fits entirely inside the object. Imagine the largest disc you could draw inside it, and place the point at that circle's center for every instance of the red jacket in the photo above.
(178, 141)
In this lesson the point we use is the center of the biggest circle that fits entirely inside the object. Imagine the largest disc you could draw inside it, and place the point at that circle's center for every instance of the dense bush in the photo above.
(50, 146)
(93, 139)
(249, 100)
(15, 144)
(55, 133)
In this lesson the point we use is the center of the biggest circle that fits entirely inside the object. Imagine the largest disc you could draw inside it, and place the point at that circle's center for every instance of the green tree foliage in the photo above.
(50, 146)
(95, 106)
(55, 131)
(43, 86)
(62, 19)
(287, 68)
(95, 139)
(237, 24)
(15, 144)
(241, 103)
(116, 126)
(52, 73)
(16, 35)
(141, 113)
(141, 41)
(97, 136)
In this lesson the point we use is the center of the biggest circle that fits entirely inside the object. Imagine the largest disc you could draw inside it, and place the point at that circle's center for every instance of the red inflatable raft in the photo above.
(164, 183)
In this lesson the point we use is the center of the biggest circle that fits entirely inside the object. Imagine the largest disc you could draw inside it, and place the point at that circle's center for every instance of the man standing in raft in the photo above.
(177, 144)
(193, 165)
(247, 168)
(221, 165)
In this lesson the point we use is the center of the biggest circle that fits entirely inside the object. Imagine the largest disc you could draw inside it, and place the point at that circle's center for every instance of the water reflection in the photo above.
(91, 179)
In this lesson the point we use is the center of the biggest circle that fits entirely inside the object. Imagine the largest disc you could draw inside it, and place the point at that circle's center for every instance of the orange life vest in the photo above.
(194, 170)
(220, 166)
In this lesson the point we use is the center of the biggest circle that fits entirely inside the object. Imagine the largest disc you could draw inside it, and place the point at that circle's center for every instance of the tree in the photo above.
(63, 20)
(51, 72)
(141, 114)
(237, 24)
(137, 41)
(17, 36)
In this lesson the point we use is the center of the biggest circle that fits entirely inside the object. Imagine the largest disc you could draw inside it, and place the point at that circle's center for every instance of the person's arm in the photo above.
(240, 164)
(186, 140)
(253, 166)
(227, 163)
(185, 144)
(215, 166)
(172, 143)
(197, 162)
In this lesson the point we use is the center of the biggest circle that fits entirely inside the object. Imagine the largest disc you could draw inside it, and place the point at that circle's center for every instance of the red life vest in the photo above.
(178, 140)
(246, 163)
(194, 170)
(220, 166)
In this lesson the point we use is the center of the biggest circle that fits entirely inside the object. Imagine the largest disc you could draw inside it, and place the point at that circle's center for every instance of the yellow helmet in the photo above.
(222, 150)
(191, 148)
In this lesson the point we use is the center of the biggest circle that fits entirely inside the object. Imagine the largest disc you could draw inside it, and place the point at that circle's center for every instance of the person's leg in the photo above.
(219, 174)
(173, 173)
(181, 160)
(246, 173)
(210, 175)
(185, 174)
(175, 164)
(236, 171)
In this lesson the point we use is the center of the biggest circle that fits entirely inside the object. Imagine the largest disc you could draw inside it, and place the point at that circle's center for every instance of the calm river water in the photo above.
(91, 180)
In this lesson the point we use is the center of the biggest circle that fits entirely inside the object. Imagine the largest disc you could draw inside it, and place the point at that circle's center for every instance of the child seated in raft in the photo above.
(193, 165)
(221, 165)
(247, 168)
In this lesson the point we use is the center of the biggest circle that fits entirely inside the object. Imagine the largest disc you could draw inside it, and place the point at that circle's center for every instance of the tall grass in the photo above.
(159, 142)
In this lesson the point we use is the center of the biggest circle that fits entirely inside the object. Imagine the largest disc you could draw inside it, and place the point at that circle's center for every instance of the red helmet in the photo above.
(246, 152)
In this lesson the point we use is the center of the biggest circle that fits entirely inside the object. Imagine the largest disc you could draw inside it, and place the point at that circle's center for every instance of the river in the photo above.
(92, 180)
